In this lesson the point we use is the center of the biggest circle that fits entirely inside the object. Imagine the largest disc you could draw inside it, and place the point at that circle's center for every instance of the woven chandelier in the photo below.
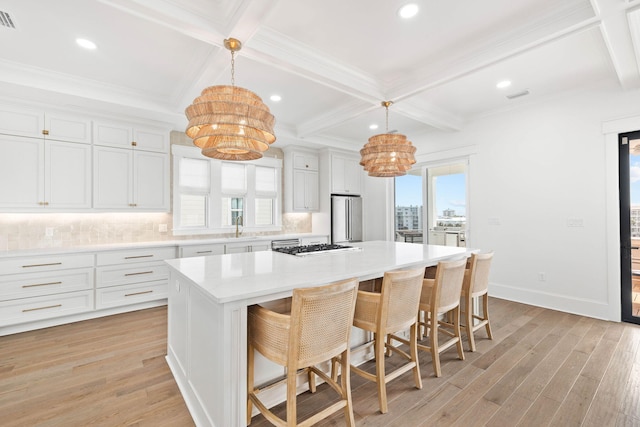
(229, 122)
(387, 154)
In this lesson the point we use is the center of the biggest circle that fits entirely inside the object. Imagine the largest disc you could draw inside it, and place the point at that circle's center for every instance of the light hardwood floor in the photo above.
(543, 368)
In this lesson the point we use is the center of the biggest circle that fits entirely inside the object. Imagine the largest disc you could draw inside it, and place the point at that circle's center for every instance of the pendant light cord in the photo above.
(233, 66)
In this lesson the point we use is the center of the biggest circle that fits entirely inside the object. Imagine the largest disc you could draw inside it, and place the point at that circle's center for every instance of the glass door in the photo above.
(408, 208)
(447, 204)
(629, 182)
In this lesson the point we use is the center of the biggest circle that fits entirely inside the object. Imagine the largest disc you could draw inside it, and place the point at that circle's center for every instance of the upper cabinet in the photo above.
(346, 174)
(46, 162)
(301, 186)
(47, 125)
(123, 135)
(130, 180)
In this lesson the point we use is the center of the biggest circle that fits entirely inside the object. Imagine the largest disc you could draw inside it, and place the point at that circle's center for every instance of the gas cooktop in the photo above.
(314, 249)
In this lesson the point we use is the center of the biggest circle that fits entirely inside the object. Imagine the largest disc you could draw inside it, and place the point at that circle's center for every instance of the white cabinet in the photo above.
(301, 181)
(126, 179)
(201, 250)
(132, 276)
(48, 125)
(247, 246)
(45, 287)
(346, 174)
(123, 135)
(36, 174)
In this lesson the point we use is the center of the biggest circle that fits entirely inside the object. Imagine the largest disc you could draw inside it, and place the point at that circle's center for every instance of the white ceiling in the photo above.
(332, 61)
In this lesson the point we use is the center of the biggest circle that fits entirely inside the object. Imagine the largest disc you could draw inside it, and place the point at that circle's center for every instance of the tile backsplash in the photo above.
(31, 231)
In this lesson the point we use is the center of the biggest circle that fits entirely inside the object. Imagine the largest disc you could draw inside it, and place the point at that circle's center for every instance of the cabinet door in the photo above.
(67, 128)
(151, 140)
(112, 135)
(112, 178)
(311, 190)
(21, 122)
(67, 175)
(21, 172)
(299, 190)
(151, 180)
(352, 174)
(337, 175)
(305, 161)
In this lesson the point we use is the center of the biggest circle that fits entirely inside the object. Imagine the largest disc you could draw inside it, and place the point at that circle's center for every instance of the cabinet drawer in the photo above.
(45, 307)
(135, 255)
(201, 250)
(45, 283)
(116, 296)
(122, 275)
(45, 263)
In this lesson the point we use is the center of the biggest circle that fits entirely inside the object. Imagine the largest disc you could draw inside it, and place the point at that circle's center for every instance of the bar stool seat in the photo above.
(394, 309)
(316, 330)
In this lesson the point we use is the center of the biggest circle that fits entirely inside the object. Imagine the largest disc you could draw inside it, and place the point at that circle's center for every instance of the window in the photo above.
(210, 195)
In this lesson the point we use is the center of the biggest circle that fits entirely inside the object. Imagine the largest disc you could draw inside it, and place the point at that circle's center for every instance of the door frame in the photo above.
(626, 275)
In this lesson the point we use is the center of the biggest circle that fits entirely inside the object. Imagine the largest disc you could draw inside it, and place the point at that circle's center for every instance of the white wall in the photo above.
(534, 169)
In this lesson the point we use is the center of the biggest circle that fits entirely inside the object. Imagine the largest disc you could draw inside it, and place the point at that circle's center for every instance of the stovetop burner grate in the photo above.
(313, 249)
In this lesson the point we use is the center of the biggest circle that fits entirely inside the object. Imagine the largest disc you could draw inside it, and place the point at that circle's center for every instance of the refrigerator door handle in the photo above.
(347, 212)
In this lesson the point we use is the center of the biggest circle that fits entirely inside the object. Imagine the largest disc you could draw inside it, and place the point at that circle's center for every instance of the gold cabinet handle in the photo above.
(133, 143)
(41, 265)
(45, 132)
(41, 284)
(138, 293)
(138, 256)
(136, 274)
(41, 308)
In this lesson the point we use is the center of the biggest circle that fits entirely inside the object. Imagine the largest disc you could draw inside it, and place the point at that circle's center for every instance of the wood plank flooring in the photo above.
(543, 368)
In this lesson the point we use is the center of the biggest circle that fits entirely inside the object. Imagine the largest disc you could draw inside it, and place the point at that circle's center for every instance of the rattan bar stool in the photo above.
(316, 330)
(476, 284)
(394, 309)
(441, 296)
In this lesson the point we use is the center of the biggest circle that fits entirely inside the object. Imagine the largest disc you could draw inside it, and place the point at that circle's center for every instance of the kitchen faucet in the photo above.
(238, 219)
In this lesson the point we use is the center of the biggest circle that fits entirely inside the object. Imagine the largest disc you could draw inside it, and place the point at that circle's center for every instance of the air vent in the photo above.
(519, 94)
(6, 21)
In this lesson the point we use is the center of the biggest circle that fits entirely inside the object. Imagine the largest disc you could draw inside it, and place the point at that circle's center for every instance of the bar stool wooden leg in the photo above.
(469, 323)
(456, 327)
(485, 311)
(291, 398)
(380, 377)
(413, 333)
(433, 341)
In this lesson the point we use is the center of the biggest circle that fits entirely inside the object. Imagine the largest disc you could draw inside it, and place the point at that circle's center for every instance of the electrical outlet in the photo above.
(542, 277)
(162, 228)
(48, 231)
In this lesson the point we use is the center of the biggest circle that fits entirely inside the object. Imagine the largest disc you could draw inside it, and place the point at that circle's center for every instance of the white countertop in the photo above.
(235, 277)
(150, 244)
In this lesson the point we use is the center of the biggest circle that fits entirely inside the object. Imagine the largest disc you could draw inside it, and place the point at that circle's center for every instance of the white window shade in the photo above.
(266, 182)
(233, 178)
(194, 173)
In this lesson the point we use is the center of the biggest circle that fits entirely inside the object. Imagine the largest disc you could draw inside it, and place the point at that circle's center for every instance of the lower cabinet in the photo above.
(44, 287)
(132, 276)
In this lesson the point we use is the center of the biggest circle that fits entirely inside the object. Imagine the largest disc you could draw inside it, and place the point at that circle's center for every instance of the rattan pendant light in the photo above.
(388, 154)
(229, 122)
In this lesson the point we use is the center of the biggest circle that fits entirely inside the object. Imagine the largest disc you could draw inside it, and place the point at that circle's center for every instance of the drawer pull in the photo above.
(41, 284)
(41, 308)
(138, 256)
(142, 272)
(204, 252)
(138, 293)
(41, 265)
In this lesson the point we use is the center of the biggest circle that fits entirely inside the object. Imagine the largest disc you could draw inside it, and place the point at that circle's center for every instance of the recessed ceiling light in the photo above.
(87, 44)
(503, 84)
(275, 98)
(408, 11)
(373, 126)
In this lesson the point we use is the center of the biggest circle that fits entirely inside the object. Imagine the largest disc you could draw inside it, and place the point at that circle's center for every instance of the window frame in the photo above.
(214, 200)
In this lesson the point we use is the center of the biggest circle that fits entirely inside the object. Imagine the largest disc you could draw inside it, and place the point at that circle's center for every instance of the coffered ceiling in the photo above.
(331, 61)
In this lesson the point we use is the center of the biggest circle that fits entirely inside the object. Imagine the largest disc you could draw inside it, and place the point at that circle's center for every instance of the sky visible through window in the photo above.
(450, 192)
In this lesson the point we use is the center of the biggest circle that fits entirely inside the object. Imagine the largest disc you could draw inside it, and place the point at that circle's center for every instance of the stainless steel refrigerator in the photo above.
(346, 219)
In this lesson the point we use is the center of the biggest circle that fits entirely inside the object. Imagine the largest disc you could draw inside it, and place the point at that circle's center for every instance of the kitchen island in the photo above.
(208, 300)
